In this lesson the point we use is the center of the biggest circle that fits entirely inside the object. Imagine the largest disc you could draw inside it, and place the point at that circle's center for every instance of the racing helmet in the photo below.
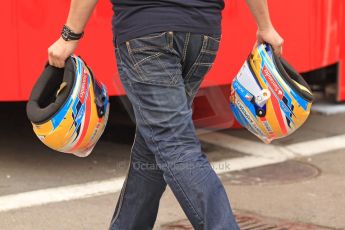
(268, 97)
(69, 108)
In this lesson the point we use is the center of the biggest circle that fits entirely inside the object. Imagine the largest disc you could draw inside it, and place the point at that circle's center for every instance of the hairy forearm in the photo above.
(79, 14)
(259, 9)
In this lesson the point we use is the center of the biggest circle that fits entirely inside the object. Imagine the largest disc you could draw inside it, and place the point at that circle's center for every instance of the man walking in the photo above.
(164, 48)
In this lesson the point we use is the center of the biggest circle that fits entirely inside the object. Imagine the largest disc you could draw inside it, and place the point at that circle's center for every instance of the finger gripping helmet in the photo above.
(268, 97)
(69, 108)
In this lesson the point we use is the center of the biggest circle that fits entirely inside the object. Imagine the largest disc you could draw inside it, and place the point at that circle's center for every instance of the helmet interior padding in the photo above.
(44, 101)
(293, 78)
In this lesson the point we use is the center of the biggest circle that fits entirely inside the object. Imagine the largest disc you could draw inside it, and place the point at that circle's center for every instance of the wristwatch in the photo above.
(68, 35)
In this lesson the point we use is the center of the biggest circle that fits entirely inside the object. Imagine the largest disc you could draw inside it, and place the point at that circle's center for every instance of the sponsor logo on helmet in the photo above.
(80, 115)
(95, 132)
(242, 91)
(276, 88)
(268, 127)
(83, 87)
(248, 117)
(244, 112)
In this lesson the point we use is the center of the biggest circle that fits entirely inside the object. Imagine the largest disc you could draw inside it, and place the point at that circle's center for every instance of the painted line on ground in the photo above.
(244, 146)
(111, 186)
(60, 194)
(318, 146)
(253, 148)
(259, 154)
(328, 109)
(236, 164)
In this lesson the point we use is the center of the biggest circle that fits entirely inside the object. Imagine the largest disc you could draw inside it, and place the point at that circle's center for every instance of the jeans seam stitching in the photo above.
(210, 52)
(170, 75)
(172, 174)
(186, 43)
(122, 197)
(147, 58)
(144, 78)
(214, 39)
(195, 64)
(137, 70)
(120, 57)
(171, 40)
(197, 59)
(204, 64)
(147, 48)
(209, 66)
(149, 37)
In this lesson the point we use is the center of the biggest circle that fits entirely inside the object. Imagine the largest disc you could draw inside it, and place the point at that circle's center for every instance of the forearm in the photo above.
(259, 9)
(79, 14)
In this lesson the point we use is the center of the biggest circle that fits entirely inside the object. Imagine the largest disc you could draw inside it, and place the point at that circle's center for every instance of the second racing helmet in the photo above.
(268, 97)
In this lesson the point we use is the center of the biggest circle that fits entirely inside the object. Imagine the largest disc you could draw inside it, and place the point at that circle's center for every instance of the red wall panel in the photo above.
(313, 32)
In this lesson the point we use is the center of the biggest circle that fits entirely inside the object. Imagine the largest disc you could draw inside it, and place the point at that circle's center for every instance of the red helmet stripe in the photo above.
(279, 115)
(86, 122)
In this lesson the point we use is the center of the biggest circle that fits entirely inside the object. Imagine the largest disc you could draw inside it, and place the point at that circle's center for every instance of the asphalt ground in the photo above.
(28, 166)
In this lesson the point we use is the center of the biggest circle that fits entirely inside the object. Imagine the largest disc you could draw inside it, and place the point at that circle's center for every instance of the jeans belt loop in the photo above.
(171, 39)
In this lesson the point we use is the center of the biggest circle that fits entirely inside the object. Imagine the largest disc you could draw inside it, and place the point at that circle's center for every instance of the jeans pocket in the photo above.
(202, 65)
(153, 60)
(149, 42)
(213, 42)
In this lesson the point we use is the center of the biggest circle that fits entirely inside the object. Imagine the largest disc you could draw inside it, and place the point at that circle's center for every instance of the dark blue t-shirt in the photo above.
(135, 18)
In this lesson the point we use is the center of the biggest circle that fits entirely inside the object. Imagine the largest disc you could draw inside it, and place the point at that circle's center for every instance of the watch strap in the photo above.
(68, 35)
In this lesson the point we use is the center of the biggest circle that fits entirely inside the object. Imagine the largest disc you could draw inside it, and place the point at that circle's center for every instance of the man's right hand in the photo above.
(60, 51)
(272, 37)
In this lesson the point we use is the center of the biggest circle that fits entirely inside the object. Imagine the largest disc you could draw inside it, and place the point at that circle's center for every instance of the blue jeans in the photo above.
(161, 74)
